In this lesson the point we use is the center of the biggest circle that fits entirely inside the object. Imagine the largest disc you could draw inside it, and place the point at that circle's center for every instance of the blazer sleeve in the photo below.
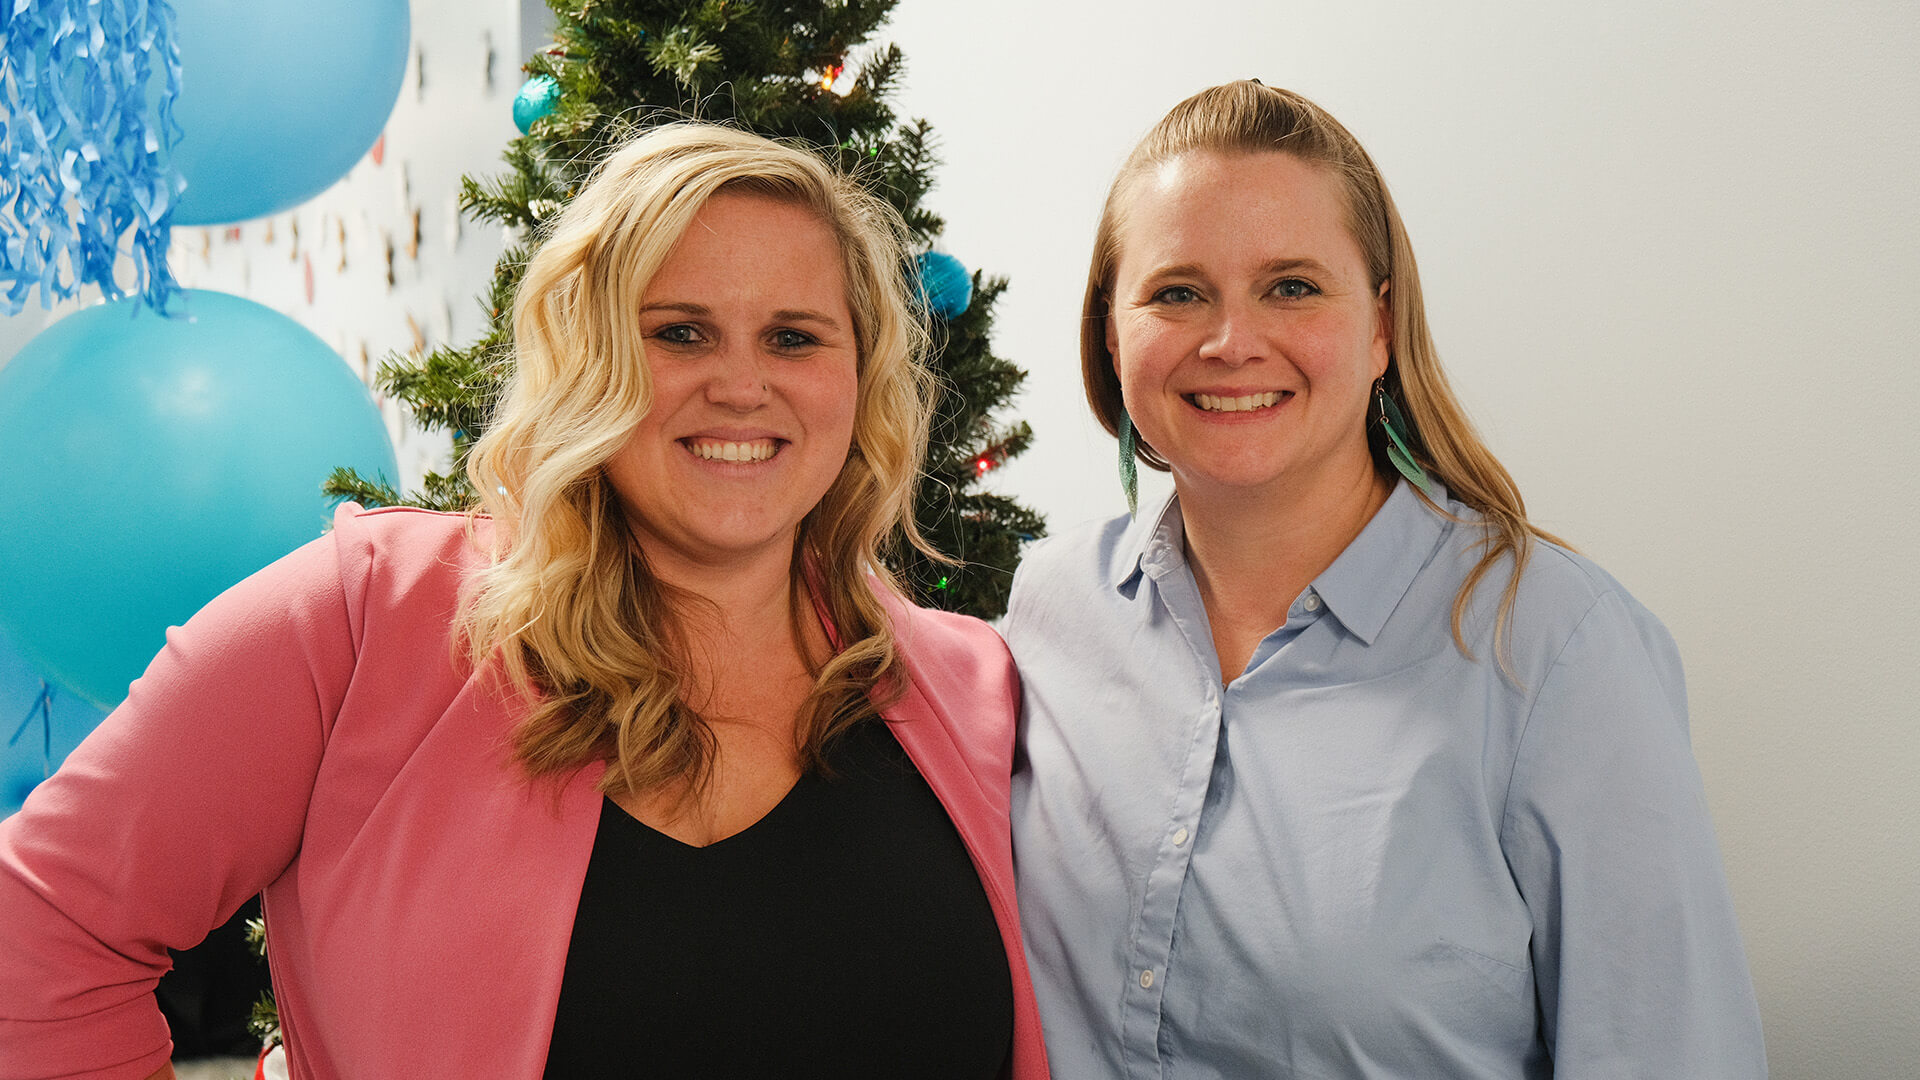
(189, 798)
(1638, 964)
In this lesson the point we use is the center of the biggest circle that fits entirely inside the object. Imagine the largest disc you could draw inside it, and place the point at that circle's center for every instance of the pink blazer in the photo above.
(311, 735)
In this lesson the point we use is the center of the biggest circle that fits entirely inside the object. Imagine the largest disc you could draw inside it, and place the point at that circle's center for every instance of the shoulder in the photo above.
(1563, 592)
(1560, 589)
(1089, 548)
(1059, 572)
(945, 651)
(400, 556)
(1560, 584)
(1614, 649)
(961, 697)
(367, 559)
(402, 536)
(1572, 622)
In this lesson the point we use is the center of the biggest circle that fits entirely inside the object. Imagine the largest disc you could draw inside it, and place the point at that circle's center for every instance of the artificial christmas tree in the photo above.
(618, 66)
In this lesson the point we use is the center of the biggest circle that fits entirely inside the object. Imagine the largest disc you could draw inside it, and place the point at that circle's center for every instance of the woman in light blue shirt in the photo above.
(1334, 764)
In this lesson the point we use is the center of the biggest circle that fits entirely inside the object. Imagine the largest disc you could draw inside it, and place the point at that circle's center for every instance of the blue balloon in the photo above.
(944, 279)
(279, 98)
(40, 724)
(147, 463)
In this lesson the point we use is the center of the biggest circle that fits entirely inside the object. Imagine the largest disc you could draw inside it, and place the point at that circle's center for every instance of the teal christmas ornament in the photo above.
(536, 99)
(945, 283)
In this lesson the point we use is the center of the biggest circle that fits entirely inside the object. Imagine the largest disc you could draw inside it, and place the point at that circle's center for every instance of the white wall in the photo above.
(1670, 254)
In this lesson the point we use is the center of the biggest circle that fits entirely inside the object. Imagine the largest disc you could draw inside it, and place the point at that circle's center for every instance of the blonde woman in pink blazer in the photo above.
(648, 769)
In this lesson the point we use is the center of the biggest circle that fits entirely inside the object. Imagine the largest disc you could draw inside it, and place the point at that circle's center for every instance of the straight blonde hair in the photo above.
(568, 608)
(1246, 117)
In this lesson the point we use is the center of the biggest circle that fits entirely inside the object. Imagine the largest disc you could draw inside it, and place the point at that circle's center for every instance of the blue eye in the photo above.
(1176, 294)
(791, 339)
(1294, 288)
(678, 334)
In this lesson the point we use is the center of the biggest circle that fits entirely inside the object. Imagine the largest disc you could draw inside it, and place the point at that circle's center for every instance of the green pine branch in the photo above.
(264, 1018)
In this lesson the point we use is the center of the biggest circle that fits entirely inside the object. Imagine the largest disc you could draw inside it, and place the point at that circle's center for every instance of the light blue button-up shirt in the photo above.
(1366, 855)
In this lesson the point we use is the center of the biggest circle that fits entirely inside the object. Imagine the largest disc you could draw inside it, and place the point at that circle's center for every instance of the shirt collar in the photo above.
(1362, 587)
(1147, 543)
(1370, 577)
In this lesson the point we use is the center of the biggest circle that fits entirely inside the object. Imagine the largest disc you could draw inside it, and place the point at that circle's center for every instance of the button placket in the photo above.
(1153, 930)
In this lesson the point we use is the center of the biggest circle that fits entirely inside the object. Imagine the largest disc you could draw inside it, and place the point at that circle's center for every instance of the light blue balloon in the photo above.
(148, 463)
(279, 99)
(40, 724)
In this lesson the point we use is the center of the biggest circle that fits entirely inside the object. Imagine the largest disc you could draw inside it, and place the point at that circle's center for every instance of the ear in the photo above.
(1382, 329)
(1113, 340)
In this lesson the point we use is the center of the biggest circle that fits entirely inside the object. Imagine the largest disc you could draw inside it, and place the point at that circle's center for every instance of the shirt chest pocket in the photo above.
(1450, 965)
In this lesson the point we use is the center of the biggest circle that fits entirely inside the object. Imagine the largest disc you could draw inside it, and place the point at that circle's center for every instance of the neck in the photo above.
(749, 671)
(1253, 552)
(738, 623)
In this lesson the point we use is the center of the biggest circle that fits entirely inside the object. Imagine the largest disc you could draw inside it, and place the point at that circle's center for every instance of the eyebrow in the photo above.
(1287, 266)
(805, 315)
(1187, 270)
(1276, 266)
(783, 315)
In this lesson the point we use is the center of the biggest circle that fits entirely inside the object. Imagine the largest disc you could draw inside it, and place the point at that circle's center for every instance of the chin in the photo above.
(1241, 475)
(739, 544)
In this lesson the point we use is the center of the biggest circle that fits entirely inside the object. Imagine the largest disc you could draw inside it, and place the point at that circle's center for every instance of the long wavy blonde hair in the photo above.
(1246, 117)
(580, 627)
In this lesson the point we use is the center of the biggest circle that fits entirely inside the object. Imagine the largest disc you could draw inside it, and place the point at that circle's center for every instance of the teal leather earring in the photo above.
(1129, 470)
(1399, 437)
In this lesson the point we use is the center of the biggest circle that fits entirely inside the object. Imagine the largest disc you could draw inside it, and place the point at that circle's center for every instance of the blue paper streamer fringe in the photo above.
(42, 705)
(85, 147)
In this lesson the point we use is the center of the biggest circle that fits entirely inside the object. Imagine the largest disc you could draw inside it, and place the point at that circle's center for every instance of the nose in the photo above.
(737, 379)
(1232, 337)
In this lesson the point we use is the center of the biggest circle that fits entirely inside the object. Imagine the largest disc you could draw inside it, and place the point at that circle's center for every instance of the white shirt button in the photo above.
(1146, 978)
(1180, 837)
(1312, 602)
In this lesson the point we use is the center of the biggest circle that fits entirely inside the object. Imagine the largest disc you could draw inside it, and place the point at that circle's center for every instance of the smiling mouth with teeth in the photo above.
(1245, 403)
(746, 452)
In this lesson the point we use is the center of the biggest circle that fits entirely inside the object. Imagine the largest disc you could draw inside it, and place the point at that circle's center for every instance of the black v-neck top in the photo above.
(844, 934)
